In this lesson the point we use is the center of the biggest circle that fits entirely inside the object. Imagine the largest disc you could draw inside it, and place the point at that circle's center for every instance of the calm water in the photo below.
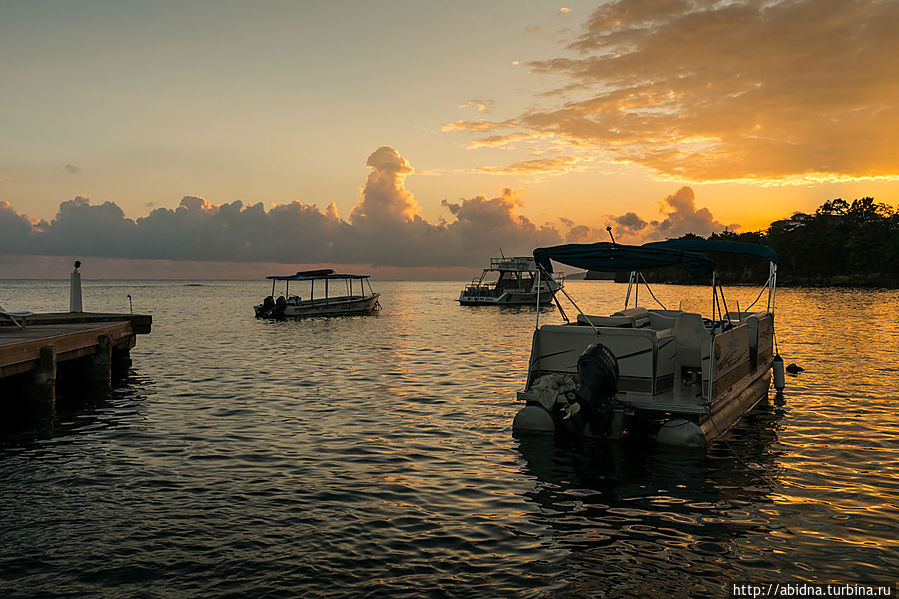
(372, 456)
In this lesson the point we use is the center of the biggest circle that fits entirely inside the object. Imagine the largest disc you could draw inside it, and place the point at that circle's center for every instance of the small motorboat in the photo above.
(337, 296)
(516, 284)
(684, 378)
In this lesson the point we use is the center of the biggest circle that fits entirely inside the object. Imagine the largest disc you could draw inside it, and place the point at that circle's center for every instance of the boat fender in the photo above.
(681, 432)
(777, 365)
(533, 420)
(597, 370)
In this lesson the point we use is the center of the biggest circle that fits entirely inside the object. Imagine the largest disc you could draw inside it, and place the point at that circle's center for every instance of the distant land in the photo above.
(841, 245)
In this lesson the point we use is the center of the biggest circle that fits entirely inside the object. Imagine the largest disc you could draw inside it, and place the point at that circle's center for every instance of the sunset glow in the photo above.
(595, 114)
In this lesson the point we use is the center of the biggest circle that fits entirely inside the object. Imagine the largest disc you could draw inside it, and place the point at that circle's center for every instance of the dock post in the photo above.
(121, 362)
(101, 364)
(43, 387)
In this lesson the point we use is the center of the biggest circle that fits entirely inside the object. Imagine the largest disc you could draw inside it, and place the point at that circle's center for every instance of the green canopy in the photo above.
(615, 257)
(717, 245)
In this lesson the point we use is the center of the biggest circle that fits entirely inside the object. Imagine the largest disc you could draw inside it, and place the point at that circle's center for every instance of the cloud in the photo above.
(73, 170)
(385, 198)
(14, 228)
(679, 217)
(705, 90)
(539, 167)
(472, 126)
(384, 229)
(585, 234)
(482, 105)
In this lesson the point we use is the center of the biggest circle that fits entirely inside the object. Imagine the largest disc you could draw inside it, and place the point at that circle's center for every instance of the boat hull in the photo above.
(700, 433)
(506, 299)
(354, 306)
(682, 431)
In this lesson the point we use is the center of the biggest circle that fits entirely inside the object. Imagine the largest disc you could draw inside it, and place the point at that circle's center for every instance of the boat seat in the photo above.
(690, 332)
(660, 321)
(633, 317)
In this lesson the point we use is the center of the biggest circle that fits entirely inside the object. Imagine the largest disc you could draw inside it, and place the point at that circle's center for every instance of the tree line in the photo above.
(842, 244)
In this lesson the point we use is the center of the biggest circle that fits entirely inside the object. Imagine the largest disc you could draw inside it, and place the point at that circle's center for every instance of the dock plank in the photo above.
(72, 335)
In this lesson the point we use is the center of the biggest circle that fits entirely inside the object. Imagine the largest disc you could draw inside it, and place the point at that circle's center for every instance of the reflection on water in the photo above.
(372, 456)
(638, 521)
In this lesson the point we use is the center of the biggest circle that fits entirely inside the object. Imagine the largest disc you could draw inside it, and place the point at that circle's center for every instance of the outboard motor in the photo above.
(265, 310)
(597, 370)
(558, 404)
(280, 306)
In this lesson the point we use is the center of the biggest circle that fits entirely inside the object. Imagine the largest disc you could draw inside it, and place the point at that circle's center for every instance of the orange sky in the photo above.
(410, 137)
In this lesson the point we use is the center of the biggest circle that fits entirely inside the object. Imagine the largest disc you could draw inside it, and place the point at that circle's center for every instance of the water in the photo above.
(372, 457)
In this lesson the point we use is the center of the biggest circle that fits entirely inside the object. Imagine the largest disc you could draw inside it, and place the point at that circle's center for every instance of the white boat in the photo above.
(346, 301)
(516, 284)
(685, 378)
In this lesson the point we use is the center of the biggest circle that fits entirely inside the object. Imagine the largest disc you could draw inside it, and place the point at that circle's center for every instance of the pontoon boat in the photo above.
(685, 378)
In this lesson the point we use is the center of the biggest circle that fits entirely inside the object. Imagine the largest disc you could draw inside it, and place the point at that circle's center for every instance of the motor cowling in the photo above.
(264, 310)
(597, 370)
(280, 307)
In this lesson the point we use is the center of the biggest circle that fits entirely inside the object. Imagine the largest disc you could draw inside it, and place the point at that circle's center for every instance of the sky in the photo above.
(418, 139)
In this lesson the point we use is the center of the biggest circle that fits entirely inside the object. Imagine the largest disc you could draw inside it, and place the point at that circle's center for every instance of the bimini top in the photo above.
(315, 275)
(616, 257)
(717, 245)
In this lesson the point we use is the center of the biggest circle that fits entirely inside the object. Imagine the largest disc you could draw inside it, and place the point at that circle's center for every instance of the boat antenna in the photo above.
(503, 256)
(609, 229)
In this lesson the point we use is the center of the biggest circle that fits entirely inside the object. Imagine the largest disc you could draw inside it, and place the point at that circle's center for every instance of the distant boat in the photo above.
(328, 303)
(687, 378)
(517, 284)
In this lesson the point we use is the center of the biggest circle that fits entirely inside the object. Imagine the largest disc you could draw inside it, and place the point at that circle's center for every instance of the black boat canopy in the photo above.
(615, 257)
(717, 245)
(305, 276)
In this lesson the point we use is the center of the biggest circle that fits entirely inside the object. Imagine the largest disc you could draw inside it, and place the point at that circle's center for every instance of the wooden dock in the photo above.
(81, 349)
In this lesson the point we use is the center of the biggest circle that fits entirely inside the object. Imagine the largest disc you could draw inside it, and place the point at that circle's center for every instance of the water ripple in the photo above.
(373, 457)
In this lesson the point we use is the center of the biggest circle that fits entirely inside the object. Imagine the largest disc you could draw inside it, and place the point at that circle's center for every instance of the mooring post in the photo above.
(101, 364)
(43, 382)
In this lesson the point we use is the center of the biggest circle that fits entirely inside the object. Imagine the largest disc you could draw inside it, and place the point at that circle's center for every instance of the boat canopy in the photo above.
(305, 276)
(717, 245)
(616, 257)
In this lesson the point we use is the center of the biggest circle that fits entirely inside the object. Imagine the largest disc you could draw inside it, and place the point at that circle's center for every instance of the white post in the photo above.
(772, 286)
(75, 289)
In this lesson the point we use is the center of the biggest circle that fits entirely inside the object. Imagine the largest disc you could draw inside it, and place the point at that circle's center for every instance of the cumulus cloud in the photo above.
(384, 229)
(679, 216)
(786, 90)
(14, 228)
(385, 198)
(682, 216)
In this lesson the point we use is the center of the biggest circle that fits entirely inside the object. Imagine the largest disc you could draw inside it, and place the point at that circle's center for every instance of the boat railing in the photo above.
(517, 263)
(477, 287)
